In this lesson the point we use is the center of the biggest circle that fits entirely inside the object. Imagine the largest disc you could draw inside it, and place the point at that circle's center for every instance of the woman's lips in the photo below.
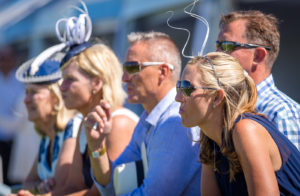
(129, 88)
(181, 110)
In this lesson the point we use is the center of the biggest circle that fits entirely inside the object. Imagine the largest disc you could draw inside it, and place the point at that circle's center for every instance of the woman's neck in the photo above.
(48, 127)
(94, 100)
(213, 127)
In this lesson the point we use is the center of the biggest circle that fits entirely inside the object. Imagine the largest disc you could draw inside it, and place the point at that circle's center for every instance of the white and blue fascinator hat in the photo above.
(76, 33)
(46, 73)
(45, 68)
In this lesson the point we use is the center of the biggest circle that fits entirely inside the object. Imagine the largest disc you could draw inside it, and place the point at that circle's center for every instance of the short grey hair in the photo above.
(161, 48)
(142, 36)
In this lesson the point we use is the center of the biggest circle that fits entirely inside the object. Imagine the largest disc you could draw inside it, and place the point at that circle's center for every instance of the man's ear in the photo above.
(260, 55)
(165, 71)
(219, 97)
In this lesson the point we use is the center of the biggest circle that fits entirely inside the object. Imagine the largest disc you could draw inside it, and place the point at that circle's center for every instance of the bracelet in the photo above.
(97, 153)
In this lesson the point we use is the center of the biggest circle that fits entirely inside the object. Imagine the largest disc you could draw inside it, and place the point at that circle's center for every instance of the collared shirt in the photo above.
(280, 109)
(173, 164)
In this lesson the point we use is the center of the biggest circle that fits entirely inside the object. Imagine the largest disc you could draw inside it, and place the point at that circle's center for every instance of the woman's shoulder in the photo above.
(125, 113)
(248, 123)
(124, 119)
(248, 127)
(248, 133)
(253, 124)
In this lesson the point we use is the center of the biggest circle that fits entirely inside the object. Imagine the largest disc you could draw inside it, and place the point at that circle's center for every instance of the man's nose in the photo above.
(126, 77)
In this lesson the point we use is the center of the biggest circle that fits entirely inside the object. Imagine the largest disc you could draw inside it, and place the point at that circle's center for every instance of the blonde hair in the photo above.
(63, 115)
(240, 97)
(100, 61)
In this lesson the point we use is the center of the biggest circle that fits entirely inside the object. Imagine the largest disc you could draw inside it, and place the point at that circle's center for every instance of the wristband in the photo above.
(97, 153)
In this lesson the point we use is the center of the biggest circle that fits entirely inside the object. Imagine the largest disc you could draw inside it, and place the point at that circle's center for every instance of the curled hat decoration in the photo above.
(202, 19)
(77, 31)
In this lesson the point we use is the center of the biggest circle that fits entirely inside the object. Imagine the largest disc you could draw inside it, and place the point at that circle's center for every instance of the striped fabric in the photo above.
(45, 169)
(280, 109)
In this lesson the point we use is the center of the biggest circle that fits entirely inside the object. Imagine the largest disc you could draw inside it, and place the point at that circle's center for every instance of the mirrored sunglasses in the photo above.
(187, 88)
(132, 67)
(229, 46)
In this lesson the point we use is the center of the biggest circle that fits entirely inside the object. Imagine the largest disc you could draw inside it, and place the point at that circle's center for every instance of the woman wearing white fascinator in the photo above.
(92, 74)
(56, 125)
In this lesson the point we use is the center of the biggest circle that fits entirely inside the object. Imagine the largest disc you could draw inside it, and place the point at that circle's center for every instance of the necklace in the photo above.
(215, 169)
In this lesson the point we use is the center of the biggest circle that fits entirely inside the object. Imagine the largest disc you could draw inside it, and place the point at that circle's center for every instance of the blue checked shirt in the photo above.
(280, 109)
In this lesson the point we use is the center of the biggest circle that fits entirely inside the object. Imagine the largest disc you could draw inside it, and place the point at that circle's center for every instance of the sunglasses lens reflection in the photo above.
(131, 67)
(185, 86)
(227, 47)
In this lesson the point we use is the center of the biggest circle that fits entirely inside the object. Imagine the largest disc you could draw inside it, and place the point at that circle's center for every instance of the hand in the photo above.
(24, 193)
(11, 194)
(101, 115)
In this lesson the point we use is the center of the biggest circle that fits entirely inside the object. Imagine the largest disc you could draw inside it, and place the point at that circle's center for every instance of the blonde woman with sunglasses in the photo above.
(242, 152)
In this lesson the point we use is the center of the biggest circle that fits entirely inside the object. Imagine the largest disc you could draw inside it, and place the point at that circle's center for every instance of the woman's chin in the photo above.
(70, 106)
(187, 124)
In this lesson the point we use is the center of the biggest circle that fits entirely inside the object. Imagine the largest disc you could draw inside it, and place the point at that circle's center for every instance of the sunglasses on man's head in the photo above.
(132, 67)
(229, 46)
(187, 88)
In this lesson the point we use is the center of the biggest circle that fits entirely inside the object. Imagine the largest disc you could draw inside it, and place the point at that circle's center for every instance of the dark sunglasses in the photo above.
(132, 67)
(228, 46)
(187, 88)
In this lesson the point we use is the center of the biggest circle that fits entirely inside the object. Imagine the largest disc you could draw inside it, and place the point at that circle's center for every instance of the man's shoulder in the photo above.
(172, 111)
(277, 104)
(170, 117)
(170, 126)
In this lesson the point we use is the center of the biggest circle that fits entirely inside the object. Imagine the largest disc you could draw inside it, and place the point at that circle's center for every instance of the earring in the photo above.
(214, 106)
(94, 92)
(56, 107)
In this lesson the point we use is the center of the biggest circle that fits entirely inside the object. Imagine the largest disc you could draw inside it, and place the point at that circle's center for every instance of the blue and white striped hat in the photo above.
(74, 39)
(47, 72)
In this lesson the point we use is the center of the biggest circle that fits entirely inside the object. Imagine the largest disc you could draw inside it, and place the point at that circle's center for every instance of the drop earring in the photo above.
(214, 106)
(215, 169)
(94, 92)
(56, 107)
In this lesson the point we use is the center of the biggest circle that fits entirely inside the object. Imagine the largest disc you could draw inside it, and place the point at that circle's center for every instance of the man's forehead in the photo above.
(137, 52)
(233, 31)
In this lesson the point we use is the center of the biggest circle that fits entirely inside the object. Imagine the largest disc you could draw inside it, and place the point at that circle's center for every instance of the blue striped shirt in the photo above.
(280, 109)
